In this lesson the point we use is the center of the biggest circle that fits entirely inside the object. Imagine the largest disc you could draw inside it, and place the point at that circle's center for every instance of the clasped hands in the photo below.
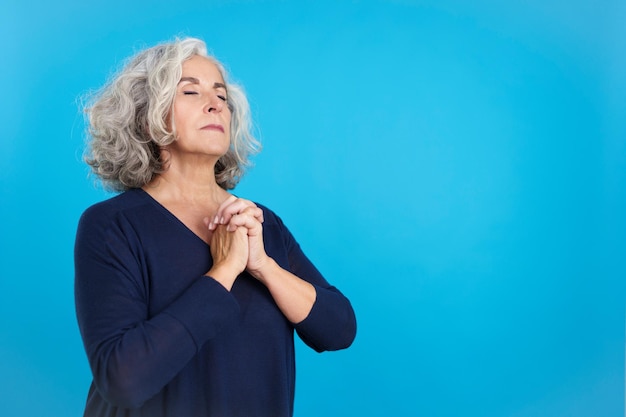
(236, 240)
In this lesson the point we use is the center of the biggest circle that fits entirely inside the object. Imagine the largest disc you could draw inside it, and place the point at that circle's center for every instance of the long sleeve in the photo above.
(331, 324)
(133, 352)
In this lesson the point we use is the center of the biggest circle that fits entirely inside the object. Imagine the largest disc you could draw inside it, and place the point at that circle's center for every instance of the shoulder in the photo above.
(102, 214)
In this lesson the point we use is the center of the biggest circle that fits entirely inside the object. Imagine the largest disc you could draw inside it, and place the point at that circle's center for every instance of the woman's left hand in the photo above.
(257, 257)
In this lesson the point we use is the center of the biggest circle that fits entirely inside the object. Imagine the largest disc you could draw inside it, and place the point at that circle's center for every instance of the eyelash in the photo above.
(190, 93)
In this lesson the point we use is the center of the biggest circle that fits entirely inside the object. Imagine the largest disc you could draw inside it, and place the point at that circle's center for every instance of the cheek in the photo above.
(228, 125)
(173, 118)
(179, 114)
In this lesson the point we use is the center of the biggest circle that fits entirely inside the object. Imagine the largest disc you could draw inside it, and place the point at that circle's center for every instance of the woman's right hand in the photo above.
(229, 250)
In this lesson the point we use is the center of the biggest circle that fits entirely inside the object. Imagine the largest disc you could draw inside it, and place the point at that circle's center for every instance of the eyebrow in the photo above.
(194, 80)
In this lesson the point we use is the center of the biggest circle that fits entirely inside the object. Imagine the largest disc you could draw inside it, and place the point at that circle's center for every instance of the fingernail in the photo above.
(222, 220)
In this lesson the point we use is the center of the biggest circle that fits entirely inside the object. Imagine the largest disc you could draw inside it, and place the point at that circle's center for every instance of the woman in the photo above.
(187, 296)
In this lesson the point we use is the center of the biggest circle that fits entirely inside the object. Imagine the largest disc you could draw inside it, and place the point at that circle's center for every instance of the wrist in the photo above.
(223, 274)
(263, 269)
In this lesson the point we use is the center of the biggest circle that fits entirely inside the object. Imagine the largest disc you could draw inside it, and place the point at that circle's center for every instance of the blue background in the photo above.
(457, 168)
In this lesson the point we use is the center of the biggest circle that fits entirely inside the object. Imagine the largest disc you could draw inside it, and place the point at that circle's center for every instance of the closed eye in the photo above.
(223, 98)
(188, 93)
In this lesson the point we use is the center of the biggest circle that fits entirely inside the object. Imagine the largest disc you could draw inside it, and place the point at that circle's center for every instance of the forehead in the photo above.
(203, 69)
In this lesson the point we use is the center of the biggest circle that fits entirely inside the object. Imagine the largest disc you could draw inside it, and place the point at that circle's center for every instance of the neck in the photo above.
(192, 182)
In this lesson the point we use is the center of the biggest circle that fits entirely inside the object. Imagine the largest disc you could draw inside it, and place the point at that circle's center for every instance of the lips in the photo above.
(217, 127)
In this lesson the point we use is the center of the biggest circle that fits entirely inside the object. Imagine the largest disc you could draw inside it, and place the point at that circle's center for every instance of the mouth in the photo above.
(219, 128)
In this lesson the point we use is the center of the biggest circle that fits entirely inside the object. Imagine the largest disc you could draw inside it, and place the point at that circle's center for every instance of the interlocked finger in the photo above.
(231, 207)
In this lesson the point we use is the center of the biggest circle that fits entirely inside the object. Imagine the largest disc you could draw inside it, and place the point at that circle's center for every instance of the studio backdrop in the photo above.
(457, 168)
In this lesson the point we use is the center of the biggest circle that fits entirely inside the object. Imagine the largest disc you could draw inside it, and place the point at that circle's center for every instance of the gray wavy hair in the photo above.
(128, 119)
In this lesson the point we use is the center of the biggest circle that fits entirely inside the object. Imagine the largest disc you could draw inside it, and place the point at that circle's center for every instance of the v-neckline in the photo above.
(171, 215)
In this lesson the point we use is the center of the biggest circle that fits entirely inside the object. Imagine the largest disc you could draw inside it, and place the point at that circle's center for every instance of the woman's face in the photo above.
(201, 113)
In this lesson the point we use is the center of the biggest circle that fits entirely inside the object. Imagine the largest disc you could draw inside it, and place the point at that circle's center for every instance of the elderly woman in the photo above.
(186, 295)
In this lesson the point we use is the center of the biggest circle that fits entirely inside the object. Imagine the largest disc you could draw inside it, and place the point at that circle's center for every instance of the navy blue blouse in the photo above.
(163, 339)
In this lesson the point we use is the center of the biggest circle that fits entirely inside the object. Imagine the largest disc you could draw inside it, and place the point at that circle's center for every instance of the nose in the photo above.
(215, 104)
